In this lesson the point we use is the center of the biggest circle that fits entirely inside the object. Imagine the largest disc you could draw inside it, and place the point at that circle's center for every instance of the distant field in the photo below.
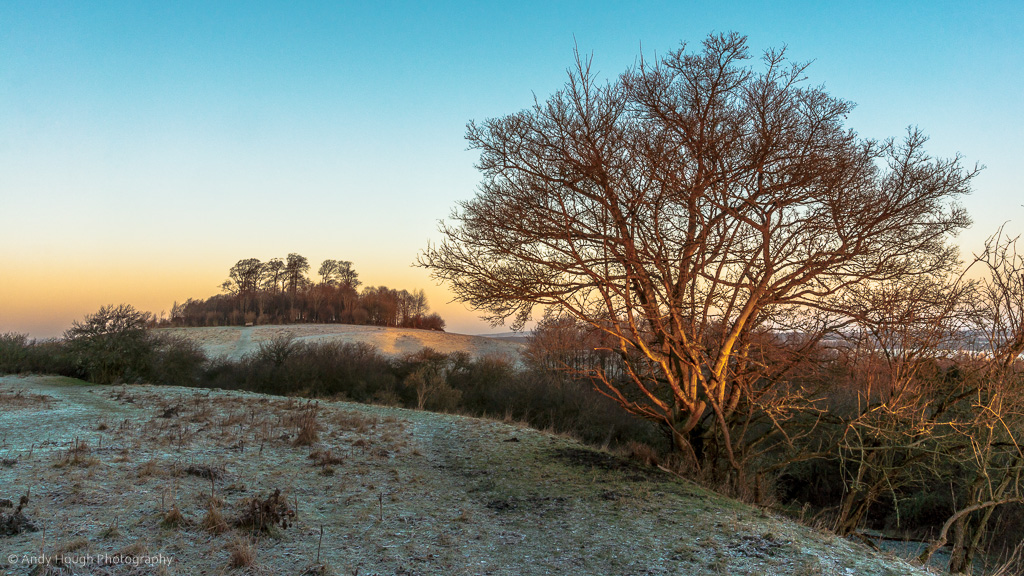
(233, 342)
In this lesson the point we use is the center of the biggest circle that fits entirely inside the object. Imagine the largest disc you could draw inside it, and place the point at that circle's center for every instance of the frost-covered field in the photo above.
(154, 473)
(234, 342)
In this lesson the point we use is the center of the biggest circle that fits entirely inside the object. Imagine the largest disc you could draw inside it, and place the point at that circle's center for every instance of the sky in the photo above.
(145, 147)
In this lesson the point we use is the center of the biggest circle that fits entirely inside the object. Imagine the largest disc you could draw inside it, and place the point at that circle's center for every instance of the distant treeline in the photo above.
(280, 292)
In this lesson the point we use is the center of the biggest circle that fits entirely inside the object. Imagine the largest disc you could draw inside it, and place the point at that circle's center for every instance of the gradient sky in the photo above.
(146, 147)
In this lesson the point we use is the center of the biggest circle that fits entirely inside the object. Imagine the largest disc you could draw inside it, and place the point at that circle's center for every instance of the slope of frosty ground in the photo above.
(407, 492)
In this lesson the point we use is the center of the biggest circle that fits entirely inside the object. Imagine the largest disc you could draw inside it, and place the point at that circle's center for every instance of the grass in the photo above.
(174, 518)
(20, 398)
(308, 427)
(241, 553)
(410, 492)
(213, 521)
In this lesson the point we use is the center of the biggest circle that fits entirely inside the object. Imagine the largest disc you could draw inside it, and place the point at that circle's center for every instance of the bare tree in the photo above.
(328, 272)
(430, 379)
(295, 269)
(897, 430)
(347, 276)
(683, 206)
(989, 408)
(273, 276)
(244, 280)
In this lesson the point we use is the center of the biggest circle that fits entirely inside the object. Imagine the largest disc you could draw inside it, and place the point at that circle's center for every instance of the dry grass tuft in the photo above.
(326, 458)
(113, 530)
(55, 564)
(130, 552)
(70, 546)
(205, 471)
(242, 553)
(173, 518)
(79, 454)
(148, 469)
(213, 521)
(644, 453)
(23, 399)
(353, 421)
(309, 428)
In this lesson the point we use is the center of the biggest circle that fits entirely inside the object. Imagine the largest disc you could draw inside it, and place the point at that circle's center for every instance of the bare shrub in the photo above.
(308, 427)
(260, 515)
(16, 522)
(213, 521)
(242, 553)
(173, 518)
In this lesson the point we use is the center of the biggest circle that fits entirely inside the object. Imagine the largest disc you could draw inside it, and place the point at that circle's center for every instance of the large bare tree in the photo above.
(681, 207)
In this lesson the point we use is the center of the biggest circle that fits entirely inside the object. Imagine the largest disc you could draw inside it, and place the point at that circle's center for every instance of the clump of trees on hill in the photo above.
(279, 291)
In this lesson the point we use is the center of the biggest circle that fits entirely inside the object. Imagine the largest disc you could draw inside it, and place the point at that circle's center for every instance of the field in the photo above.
(233, 342)
(190, 476)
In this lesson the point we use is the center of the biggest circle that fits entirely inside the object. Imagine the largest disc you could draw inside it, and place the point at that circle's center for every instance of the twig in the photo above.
(319, 544)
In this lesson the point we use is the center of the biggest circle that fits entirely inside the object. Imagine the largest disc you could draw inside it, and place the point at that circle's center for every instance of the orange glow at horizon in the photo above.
(42, 301)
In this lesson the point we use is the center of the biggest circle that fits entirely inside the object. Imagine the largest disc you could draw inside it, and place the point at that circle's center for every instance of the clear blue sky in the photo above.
(145, 147)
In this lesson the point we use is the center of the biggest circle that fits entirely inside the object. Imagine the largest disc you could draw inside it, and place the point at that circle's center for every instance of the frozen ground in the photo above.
(234, 342)
(394, 491)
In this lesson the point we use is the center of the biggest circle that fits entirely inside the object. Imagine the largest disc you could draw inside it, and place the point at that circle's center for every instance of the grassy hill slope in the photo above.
(394, 491)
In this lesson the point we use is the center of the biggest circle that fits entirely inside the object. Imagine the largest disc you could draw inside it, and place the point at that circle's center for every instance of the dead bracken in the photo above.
(261, 515)
(15, 522)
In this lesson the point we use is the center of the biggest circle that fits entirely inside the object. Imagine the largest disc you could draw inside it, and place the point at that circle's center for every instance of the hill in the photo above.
(176, 473)
(234, 342)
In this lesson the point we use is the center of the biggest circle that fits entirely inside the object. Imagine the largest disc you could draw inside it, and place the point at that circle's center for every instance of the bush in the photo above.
(13, 352)
(321, 369)
(112, 345)
(492, 386)
(19, 354)
(177, 361)
(50, 357)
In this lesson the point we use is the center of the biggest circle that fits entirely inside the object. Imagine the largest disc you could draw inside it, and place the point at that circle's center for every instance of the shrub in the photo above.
(323, 369)
(112, 345)
(177, 361)
(13, 352)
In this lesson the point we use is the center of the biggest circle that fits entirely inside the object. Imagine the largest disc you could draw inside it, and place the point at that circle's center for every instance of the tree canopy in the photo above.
(686, 205)
(279, 291)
